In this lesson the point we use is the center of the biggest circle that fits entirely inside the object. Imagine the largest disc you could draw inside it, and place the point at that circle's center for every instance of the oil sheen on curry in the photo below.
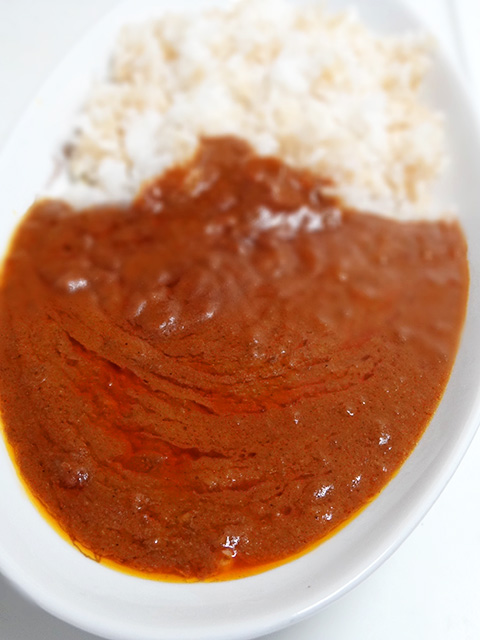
(217, 376)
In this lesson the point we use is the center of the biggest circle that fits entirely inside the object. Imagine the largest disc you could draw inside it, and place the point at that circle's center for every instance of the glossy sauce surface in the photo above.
(217, 376)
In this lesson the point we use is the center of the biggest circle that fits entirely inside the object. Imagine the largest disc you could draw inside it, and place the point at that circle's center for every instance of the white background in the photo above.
(430, 589)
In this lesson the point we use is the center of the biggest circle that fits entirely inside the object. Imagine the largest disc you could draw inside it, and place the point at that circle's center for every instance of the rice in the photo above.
(317, 89)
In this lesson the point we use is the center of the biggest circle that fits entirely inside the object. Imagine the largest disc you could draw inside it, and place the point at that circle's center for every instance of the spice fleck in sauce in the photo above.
(219, 375)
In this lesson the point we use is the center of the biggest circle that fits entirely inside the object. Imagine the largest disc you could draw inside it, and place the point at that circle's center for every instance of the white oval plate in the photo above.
(121, 607)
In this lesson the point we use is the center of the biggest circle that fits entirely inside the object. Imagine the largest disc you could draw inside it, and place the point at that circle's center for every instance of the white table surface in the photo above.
(430, 588)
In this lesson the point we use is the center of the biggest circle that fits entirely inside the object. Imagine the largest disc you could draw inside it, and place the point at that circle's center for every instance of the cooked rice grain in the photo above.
(317, 89)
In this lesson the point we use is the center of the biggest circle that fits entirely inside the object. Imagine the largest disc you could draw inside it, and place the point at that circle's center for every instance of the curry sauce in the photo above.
(218, 375)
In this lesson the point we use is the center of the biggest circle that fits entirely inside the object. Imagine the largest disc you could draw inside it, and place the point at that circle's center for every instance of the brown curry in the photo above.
(218, 375)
